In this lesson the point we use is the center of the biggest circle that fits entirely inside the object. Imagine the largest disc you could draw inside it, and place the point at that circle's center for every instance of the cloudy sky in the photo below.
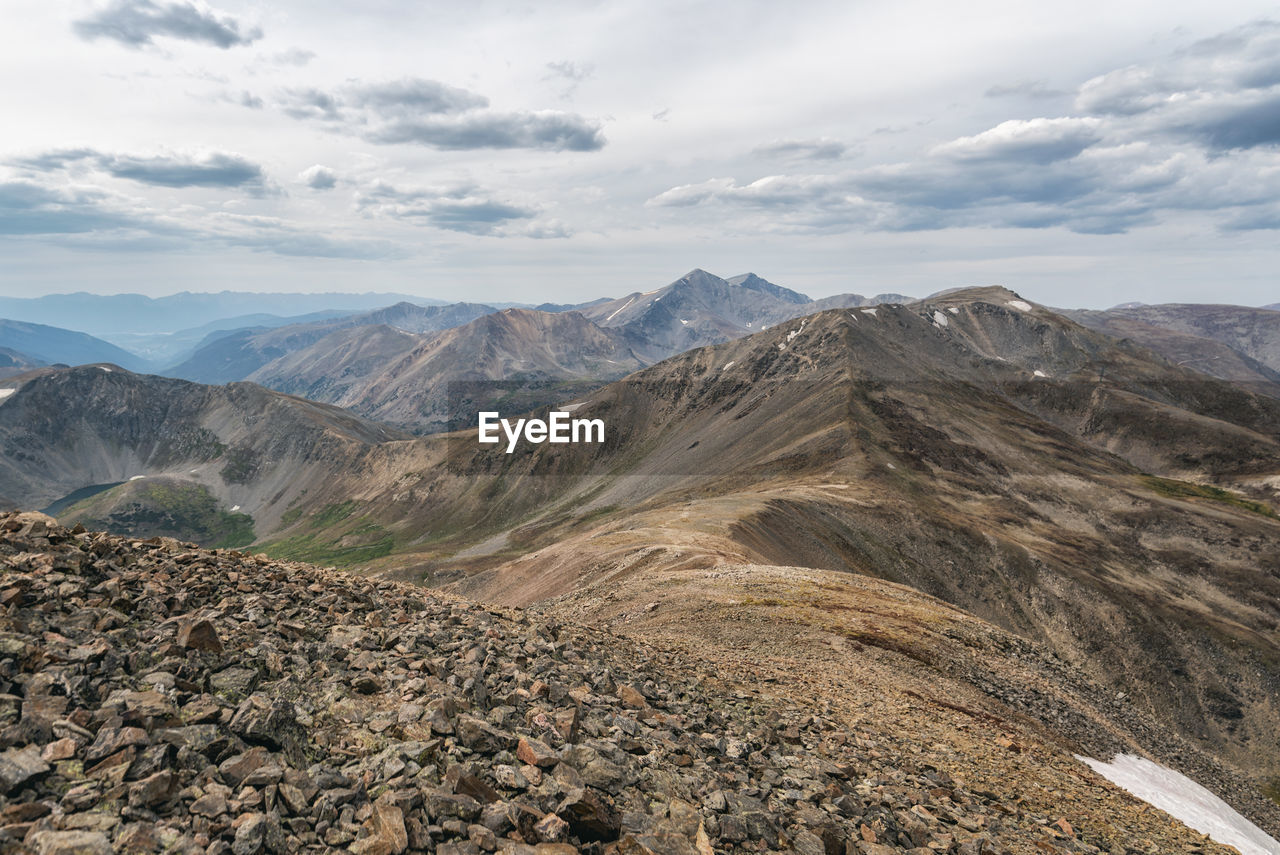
(1082, 154)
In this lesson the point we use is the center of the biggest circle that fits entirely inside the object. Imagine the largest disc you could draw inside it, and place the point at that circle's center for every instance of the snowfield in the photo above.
(1186, 801)
(1020, 305)
(4, 393)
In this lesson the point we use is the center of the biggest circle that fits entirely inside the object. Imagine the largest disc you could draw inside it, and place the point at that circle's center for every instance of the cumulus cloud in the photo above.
(135, 23)
(814, 149)
(1033, 141)
(1197, 132)
(1222, 93)
(207, 169)
(460, 208)
(319, 177)
(434, 114)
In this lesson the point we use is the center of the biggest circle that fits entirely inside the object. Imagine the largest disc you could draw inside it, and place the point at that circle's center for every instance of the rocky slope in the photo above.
(1196, 351)
(163, 698)
(65, 430)
(1075, 490)
(1254, 333)
(700, 309)
(228, 358)
(403, 379)
(12, 362)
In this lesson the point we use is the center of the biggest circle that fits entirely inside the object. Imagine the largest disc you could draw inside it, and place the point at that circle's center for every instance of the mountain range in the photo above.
(1096, 492)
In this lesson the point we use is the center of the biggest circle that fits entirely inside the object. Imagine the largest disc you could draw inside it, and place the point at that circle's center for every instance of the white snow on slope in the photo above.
(953, 310)
(235, 508)
(940, 319)
(4, 393)
(1186, 801)
(615, 314)
(727, 365)
(684, 322)
(1020, 305)
(1040, 373)
(871, 312)
(137, 477)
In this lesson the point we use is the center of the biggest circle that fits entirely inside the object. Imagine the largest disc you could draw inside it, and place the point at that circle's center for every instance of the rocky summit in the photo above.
(157, 697)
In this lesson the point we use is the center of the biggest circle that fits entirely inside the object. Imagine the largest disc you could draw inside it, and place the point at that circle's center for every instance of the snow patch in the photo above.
(727, 365)
(4, 393)
(1186, 801)
(569, 408)
(615, 314)
(852, 315)
(104, 368)
(940, 319)
(235, 508)
(953, 310)
(1020, 305)
(137, 477)
(683, 322)
(871, 312)
(1040, 373)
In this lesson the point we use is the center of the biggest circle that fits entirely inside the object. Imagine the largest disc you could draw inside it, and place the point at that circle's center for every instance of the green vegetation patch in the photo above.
(1271, 789)
(1176, 489)
(358, 546)
(167, 509)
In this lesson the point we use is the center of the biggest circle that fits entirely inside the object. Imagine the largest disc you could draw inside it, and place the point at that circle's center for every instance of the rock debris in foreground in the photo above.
(155, 697)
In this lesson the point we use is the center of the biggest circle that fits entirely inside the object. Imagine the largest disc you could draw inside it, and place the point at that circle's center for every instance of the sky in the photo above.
(1082, 154)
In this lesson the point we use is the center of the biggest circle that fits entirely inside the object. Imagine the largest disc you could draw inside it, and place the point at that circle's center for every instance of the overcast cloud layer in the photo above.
(1082, 156)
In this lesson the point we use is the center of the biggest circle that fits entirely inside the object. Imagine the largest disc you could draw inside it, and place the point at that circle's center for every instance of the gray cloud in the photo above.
(319, 177)
(134, 23)
(213, 169)
(571, 73)
(293, 56)
(815, 149)
(27, 208)
(464, 208)
(92, 218)
(411, 97)
(1196, 132)
(1024, 89)
(434, 114)
(544, 130)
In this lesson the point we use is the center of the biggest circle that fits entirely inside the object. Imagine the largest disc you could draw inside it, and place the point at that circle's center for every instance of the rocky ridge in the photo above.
(158, 697)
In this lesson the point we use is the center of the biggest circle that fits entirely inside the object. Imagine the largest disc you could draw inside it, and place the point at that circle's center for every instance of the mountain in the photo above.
(700, 309)
(53, 344)
(1212, 357)
(991, 535)
(100, 314)
(249, 705)
(12, 362)
(70, 434)
(227, 357)
(1255, 333)
(388, 374)
(162, 350)
(1077, 491)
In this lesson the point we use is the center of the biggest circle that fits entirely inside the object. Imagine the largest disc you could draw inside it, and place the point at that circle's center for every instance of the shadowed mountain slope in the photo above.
(227, 358)
(400, 378)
